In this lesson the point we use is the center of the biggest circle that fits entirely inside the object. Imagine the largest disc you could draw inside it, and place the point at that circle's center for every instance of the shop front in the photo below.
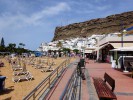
(104, 55)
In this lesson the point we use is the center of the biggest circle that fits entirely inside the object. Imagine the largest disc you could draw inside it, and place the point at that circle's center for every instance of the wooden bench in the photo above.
(105, 91)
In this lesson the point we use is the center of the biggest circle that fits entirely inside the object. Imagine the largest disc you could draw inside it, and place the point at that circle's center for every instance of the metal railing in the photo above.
(42, 89)
(72, 90)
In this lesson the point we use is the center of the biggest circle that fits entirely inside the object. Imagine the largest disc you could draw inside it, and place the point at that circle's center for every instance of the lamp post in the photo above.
(83, 47)
(123, 32)
(84, 50)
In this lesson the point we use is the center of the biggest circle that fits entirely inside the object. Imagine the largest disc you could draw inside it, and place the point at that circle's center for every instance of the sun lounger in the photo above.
(16, 67)
(52, 63)
(39, 66)
(22, 72)
(16, 73)
(46, 69)
(15, 79)
(26, 77)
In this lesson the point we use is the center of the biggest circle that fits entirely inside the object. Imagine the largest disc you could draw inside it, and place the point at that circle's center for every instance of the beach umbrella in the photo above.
(24, 66)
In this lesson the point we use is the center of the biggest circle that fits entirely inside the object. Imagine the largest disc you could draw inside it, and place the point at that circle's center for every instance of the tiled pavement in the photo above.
(124, 82)
(60, 85)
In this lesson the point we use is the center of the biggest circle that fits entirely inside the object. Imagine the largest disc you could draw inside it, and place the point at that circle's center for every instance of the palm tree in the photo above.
(21, 45)
(11, 47)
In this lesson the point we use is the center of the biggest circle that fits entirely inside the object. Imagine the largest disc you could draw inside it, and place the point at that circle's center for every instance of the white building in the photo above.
(75, 43)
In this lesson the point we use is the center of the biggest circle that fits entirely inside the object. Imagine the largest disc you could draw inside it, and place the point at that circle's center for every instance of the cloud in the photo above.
(98, 1)
(50, 11)
(89, 7)
(18, 20)
(101, 8)
(85, 11)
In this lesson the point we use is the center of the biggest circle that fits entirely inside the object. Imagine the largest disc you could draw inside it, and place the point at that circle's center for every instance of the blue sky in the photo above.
(33, 21)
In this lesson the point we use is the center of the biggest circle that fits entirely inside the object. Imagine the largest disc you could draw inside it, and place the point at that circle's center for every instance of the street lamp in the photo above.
(83, 48)
(123, 32)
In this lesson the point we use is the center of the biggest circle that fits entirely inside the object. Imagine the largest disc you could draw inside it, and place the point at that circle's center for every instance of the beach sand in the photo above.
(16, 91)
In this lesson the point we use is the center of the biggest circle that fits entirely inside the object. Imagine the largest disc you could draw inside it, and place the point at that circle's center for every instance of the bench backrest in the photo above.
(110, 81)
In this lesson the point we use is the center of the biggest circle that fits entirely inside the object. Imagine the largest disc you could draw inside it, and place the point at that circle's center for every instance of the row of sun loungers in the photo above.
(20, 73)
(42, 64)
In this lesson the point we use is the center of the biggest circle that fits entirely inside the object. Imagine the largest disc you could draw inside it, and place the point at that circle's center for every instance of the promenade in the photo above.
(59, 87)
(123, 81)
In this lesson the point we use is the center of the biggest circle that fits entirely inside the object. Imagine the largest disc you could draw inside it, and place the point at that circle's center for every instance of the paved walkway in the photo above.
(61, 84)
(124, 82)
(123, 89)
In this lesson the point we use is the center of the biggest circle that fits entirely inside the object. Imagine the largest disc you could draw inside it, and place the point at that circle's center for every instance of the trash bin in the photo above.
(81, 68)
(2, 82)
(113, 64)
(82, 63)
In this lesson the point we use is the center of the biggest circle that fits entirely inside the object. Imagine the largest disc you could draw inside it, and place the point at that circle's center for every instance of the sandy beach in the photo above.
(16, 91)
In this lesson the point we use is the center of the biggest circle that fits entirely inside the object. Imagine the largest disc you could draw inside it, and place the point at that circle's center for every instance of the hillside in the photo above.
(112, 23)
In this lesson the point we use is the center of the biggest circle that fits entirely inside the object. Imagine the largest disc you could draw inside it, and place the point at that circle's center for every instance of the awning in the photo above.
(88, 51)
(118, 45)
(115, 45)
(123, 49)
(98, 48)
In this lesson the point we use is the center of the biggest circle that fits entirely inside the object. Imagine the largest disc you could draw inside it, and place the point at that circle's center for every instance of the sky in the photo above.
(34, 21)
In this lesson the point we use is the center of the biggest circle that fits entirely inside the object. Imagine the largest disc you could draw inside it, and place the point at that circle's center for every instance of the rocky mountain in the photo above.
(113, 23)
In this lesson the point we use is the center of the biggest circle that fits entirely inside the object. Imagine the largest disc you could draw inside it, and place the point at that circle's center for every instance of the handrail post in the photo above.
(57, 72)
(68, 60)
(62, 67)
(49, 81)
(65, 63)
(34, 96)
